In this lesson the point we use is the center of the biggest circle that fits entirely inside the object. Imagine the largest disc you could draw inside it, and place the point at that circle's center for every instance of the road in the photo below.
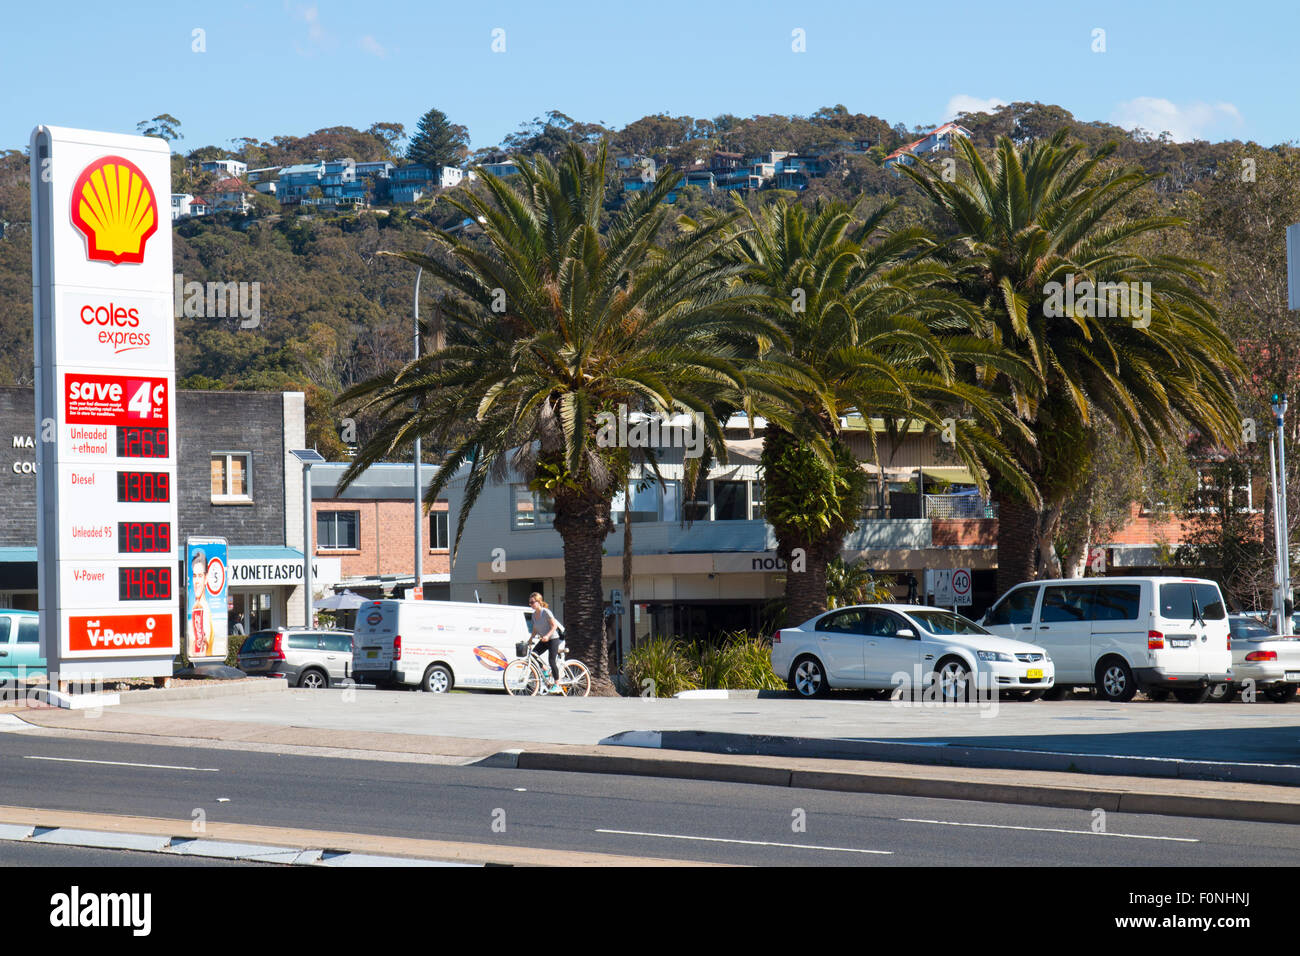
(637, 816)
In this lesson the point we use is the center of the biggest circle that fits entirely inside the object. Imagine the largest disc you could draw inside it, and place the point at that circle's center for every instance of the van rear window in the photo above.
(1210, 601)
(1176, 602)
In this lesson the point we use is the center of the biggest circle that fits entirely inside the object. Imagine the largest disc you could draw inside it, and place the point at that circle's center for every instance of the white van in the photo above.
(436, 645)
(1157, 634)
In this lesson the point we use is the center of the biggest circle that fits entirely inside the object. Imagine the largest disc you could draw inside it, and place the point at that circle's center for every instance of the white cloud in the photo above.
(963, 103)
(373, 46)
(1187, 122)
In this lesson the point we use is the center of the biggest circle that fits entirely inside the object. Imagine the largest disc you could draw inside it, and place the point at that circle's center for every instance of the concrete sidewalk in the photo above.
(514, 732)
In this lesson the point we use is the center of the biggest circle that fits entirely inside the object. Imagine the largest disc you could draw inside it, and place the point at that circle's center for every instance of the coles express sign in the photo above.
(132, 331)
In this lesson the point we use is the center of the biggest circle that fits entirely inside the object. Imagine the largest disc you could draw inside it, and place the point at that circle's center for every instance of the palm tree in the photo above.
(549, 324)
(853, 583)
(862, 309)
(1039, 235)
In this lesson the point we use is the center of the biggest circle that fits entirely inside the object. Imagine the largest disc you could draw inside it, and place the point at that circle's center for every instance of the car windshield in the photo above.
(258, 643)
(939, 621)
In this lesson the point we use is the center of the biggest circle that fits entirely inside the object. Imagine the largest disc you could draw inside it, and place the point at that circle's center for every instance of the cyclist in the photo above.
(546, 631)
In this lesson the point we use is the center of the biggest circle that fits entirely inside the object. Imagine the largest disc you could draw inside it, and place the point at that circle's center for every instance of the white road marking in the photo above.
(792, 846)
(120, 763)
(999, 826)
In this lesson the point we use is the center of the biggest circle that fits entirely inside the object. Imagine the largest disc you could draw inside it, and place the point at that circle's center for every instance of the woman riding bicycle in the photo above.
(546, 632)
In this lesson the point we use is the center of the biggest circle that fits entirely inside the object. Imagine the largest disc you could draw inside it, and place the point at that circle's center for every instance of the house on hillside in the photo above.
(231, 195)
(296, 182)
(225, 167)
(407, 184)
(264, 180)
(181, 206)
(937, 139)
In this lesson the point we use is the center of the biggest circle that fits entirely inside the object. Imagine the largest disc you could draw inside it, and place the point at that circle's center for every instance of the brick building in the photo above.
(235, 479)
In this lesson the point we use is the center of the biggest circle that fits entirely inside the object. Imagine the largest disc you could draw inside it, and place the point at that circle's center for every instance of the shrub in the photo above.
(664, 663)
(736, 662)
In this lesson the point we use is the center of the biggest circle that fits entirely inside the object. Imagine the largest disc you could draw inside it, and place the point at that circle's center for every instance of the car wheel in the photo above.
(437, 680)
(1058, 692)
(1115, 681)
(808, 678)
(1223, 693)
(954, 679)
(1280, 693)
(1194, 695)
(313, 680)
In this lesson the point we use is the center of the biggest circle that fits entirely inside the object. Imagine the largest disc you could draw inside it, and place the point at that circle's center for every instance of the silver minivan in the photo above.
(306, 658)
(1122, 635)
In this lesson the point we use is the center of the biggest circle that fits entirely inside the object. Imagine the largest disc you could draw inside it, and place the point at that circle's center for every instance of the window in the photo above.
(5, 624)
(231, 476)
(342, 643)
(756, 512)
(1176, 602)
(852, 621)
(1116, 602)
(1016, 608)
(531, 509)
(729, 501)
(697, 509)
(29, 631)
(1067, 605)
(337, 529)
(1208, 600)
(440, 530)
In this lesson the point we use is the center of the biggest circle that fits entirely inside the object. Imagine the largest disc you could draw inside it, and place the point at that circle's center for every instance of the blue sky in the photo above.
(1208, 70)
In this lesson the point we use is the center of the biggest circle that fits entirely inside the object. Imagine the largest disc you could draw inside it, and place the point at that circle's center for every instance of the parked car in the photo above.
(437, 645)
(868, 645)
(20, 645)
(1271, 660)
(306, 658)
(1158, 634)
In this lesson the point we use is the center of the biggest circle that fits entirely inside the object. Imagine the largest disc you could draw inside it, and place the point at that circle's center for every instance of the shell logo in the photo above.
(114, 206)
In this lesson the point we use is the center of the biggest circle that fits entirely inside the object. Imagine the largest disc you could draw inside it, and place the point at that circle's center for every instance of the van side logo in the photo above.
(490, 657)
(374, 617)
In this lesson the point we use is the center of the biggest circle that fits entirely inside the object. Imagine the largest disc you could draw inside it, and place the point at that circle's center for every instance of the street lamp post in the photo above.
(1280, 517)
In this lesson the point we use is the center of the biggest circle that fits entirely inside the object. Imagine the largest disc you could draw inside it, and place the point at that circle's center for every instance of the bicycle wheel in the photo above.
(521, 678)
(576, 680)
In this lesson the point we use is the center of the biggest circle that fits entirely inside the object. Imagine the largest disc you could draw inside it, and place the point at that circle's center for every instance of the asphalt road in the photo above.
(679, 819)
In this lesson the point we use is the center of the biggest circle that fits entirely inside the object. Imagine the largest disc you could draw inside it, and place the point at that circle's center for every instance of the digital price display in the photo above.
(144, 584)
(144, 537)
(140, 487)
(136, 442)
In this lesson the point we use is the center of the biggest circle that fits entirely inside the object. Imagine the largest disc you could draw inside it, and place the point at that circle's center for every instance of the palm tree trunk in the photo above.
(805, 591)
(583, 524)
(1017, 541)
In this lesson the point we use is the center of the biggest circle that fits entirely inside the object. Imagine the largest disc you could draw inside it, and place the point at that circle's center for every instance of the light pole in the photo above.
(419, 497)
(1280, 516)
(308, 457)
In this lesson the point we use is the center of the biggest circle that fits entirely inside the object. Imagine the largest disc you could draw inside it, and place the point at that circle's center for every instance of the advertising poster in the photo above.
(206, 620)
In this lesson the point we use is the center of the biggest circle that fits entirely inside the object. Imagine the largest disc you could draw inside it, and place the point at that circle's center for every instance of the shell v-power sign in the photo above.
(105, 408)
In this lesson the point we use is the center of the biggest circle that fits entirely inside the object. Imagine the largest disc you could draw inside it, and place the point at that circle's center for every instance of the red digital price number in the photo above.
(144, 537)
(135, 442)
(144, 584)
(144, 486)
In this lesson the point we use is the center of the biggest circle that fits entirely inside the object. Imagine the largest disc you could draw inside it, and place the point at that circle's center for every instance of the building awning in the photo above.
(957, 474)
(17, 555)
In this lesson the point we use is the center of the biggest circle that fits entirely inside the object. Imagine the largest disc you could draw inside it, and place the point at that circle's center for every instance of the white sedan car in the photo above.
(1271, 660)
(884, 646)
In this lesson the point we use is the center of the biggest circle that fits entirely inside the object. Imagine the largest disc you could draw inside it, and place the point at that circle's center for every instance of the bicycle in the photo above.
(527, 674)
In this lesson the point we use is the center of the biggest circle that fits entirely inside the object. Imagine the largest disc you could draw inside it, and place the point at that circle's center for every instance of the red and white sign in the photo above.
(961, 585)
(114, 400)
(119, 635)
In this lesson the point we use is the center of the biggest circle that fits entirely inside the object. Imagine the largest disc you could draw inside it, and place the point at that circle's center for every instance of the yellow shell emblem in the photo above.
(114, 207)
